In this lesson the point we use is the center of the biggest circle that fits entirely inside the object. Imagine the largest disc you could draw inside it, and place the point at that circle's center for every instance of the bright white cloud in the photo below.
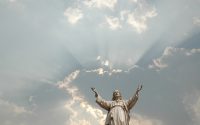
(106, 63)
(99, 71)
(169, 51)
(101, 3)
(98, 57)
(196, 21)
(161, 62)
(139, 17)
(138, 23)
(113, 22)
(73, 15)
(135, 1)
(116, 70)
(158, 63)
(105, 68)
(81, 112)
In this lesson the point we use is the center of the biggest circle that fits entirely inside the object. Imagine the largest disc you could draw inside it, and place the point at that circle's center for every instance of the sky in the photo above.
(53, 51)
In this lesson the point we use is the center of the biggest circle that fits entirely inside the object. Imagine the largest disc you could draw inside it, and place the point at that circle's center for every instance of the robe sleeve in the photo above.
(103, 103)
(132, 101)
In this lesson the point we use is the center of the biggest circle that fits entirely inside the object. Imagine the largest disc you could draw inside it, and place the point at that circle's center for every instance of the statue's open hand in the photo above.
(139, 88)
(94, 90)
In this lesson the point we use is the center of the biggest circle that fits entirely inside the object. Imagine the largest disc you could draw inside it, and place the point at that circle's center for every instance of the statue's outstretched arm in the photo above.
(132, 101)
(100, 101)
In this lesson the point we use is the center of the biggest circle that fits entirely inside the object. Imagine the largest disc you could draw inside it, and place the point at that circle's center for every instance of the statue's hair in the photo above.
(114, 98)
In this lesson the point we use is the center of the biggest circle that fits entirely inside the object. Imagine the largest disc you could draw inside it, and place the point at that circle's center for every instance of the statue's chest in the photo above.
(117, 103)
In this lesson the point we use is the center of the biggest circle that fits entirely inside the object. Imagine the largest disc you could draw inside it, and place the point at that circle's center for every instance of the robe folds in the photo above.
(118, 110)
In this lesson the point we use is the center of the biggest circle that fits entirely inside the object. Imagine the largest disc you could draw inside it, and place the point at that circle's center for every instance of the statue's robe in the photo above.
(118, 110)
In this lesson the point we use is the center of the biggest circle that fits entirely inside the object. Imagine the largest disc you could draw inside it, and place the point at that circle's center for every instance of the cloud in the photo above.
(73, 15)
(196, 21)
(105, 67)
(161, 62)
(158, 64)
(81, 112)
(13, 108)
(123, 14)
(136, 18)
(101, 71)
(139, 17)
(98, 58)
(192, 105)
(192, 51)
(113, 22)
(12, 113)
(101, 3)
(104, 62)
(134, 1)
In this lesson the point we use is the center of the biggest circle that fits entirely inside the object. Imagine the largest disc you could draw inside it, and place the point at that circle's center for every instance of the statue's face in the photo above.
(116, 94)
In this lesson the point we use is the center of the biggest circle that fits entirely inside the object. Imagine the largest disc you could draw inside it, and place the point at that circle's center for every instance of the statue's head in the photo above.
(116, 95)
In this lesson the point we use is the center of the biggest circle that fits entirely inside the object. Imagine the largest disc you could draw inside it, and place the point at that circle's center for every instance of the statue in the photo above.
(118, 109)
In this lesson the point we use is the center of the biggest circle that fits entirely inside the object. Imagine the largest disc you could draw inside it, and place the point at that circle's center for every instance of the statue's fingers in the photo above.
(93, 89)
(138, 86)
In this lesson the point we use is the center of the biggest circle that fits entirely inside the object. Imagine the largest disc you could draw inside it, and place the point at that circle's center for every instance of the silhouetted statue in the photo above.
(118, 109)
